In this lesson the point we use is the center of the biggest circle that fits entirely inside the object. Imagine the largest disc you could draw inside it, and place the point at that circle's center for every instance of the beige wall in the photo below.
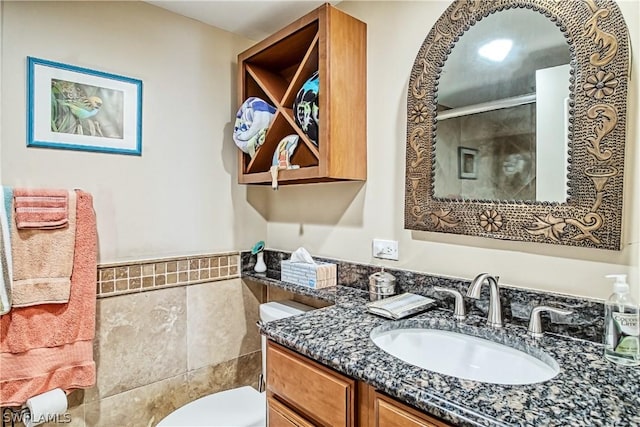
(339, 220)
(181, 196)
(1, 61)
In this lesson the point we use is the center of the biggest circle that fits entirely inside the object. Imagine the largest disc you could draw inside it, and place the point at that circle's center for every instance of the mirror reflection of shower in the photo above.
(511, 109)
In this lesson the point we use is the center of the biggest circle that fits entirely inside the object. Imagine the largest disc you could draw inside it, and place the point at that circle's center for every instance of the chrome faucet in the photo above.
(495, 308)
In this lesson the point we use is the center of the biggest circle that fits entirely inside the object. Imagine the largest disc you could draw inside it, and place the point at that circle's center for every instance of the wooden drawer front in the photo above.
(390, 413)
(319, 394)
(279, 415)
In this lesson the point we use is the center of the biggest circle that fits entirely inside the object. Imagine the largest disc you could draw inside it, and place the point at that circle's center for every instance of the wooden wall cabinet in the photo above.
(303, 393)
(333, 43)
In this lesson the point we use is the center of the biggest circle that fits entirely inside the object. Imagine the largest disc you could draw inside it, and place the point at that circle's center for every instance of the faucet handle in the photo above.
(459, 311)
(535, 323)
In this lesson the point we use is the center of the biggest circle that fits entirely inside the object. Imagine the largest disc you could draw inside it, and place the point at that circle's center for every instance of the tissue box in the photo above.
(318, 275)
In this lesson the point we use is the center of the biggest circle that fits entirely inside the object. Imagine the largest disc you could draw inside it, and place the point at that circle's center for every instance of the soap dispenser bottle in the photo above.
(622, 329)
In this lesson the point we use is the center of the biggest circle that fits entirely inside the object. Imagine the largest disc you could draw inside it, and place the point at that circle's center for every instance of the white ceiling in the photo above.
(254, 20)
(531, 32)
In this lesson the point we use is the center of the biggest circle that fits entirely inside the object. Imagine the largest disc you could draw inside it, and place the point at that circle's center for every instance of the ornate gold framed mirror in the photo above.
(516, 123)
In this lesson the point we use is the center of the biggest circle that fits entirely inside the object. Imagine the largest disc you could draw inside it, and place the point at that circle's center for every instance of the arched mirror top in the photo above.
(525, 145)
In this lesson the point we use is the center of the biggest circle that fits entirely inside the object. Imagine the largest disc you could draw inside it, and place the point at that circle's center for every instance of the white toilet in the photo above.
(238, 407)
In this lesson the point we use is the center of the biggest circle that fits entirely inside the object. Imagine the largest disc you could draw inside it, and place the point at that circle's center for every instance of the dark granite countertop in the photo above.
(588, 391)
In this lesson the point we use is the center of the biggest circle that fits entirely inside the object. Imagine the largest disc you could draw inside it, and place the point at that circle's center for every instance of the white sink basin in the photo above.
(464, 356)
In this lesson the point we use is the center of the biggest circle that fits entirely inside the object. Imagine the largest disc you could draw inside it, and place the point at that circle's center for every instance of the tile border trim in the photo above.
(151, 274)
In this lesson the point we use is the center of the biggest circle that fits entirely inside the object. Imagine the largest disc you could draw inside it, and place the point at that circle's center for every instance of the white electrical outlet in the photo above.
(385, 249)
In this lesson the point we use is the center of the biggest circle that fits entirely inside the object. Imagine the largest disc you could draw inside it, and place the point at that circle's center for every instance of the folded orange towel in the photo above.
(51, 344)
(42, 369)
(42, 262)
(40, 208)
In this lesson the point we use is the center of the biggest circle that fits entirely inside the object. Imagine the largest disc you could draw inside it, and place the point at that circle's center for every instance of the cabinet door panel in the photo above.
(313, 390)
(390, 413)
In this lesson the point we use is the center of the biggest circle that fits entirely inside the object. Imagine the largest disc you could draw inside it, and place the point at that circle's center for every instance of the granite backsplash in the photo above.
(586, 321)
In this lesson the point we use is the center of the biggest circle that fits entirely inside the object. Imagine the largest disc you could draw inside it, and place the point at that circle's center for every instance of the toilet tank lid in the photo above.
(280, 309)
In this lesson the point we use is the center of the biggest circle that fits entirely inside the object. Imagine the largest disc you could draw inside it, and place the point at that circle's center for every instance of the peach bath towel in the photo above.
(42, 262)
(41, 209)
(48, 346)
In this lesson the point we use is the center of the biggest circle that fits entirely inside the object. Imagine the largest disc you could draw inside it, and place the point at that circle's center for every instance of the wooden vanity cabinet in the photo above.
(303, 393)
(334, 44)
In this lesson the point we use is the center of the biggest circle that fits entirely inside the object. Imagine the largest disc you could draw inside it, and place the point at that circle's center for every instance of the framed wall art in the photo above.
(467, 163)
(75, 108)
